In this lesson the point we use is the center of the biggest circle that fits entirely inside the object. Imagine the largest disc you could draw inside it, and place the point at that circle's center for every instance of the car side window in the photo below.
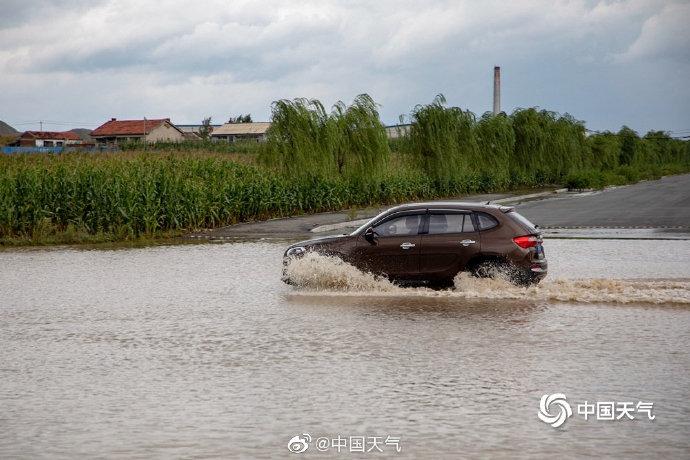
(468, 225)
(486, 221)
(399, 226)
(450, 223)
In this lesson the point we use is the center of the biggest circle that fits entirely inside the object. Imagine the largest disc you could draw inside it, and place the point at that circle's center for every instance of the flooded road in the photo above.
(200, 350)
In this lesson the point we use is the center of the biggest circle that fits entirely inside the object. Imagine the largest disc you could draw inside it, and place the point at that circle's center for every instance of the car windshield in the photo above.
(368, 223)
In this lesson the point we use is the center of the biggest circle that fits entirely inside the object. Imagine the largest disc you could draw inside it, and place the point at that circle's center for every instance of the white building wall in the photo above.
(54, 142)
(164, 132)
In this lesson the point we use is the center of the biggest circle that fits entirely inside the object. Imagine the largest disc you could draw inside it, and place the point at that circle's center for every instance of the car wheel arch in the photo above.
(479, 259)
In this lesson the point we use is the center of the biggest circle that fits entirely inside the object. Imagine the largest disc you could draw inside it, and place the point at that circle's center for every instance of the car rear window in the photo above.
(450, 223)
(522, 220)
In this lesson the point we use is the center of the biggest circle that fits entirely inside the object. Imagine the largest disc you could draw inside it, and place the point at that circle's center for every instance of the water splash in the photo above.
(325, 275)
(317, 272)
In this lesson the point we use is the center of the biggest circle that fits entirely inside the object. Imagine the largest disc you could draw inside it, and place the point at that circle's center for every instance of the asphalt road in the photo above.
(651, 204)
(301, 226)
(662, 204)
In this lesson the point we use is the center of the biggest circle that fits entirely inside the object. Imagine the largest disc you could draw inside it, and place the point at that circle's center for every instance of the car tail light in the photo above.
(527, 241)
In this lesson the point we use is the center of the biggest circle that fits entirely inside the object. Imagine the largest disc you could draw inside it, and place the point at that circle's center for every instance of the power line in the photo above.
(54, 124)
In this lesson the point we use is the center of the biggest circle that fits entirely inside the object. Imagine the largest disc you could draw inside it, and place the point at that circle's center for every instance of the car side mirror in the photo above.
(370, 235)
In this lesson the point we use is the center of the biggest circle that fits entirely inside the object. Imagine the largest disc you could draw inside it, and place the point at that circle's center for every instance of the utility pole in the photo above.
(41, 124)
(497, 90)
(145, 142)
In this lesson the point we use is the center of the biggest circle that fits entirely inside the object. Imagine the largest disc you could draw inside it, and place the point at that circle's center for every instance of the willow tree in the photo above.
(630, 143)
(361, 150)
(547, 146)
(606, 148)
(496, 141)
(306, 141)
(442, 140)
(300, 140)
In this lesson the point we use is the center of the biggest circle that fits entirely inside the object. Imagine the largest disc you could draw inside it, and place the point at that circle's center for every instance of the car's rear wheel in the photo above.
(504, 270)
(441, 284)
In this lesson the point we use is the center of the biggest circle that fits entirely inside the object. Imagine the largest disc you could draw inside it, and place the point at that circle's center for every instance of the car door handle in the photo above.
(467, 242)
(407, 245)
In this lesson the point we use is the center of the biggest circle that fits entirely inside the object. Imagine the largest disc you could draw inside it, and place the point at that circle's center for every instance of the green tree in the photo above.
(442, 140)
(205, 130)
(241, 119)
(629, 145)
(606, 149)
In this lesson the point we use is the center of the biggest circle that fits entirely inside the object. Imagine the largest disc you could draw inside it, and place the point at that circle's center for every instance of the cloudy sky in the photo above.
(76, 63)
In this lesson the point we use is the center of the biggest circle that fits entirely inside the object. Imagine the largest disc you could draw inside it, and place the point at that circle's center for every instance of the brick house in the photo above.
(118, 131)
(48, 139)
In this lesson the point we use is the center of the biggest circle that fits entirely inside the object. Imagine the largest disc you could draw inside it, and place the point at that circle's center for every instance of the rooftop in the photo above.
(116, 127)
(467, 205)
(242, 128)
(66, 135)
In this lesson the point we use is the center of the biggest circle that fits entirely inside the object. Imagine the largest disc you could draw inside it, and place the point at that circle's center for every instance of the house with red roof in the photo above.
(48, 139)
(118, 131)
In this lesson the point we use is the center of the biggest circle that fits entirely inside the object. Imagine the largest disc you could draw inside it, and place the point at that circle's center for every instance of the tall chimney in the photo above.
(497, 90)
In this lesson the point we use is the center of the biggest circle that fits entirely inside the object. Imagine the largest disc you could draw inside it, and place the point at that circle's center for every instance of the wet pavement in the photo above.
(664, 203)
(302, 226)
(662, 207)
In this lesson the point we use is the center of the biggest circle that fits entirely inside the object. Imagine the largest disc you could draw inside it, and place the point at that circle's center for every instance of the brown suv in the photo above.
(432, 242)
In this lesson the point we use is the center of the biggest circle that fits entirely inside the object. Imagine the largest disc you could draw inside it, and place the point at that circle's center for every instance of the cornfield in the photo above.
(149, 193)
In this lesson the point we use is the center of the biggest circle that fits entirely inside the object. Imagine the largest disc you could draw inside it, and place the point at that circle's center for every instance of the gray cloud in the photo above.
(14, 12)
(600, 61)
(665, 35)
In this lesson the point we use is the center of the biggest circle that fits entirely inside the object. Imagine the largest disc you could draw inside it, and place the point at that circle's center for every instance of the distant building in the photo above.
(48, 139)
(397, 131)
(190, 136)
(118, 131)
(195, 128)
(233, 132)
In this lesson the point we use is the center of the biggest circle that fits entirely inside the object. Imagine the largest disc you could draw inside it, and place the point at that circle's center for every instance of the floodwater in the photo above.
(201, 351)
